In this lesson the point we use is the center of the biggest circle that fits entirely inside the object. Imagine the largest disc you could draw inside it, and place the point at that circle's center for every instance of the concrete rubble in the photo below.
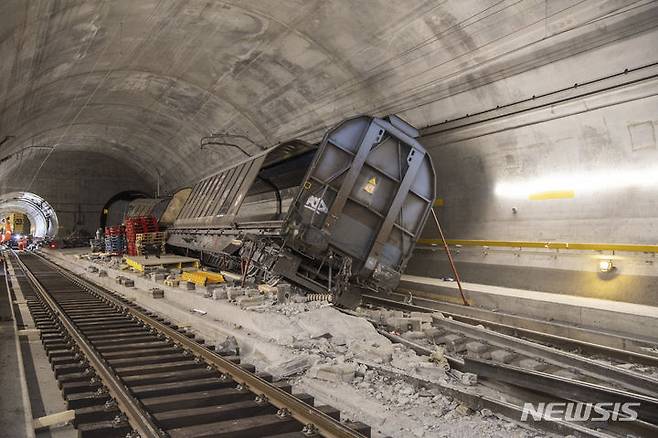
(339, 358)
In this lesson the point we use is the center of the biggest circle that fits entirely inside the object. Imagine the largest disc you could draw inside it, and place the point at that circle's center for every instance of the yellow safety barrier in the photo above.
(202, 278)
(546, 245)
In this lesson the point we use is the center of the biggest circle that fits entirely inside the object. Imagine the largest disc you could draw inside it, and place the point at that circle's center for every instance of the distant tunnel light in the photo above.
(547, 187)
(606, 266)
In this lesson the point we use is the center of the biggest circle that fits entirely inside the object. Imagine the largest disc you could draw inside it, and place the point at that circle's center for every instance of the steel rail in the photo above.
(450, 310)
(562, 387)
(631, 380)
(559, 388)
(511, 410)
(288, 404)
(139, 420)
(570, 389)
(634, 381)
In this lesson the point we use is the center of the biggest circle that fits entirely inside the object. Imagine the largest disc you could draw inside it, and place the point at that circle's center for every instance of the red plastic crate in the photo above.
(136, 225)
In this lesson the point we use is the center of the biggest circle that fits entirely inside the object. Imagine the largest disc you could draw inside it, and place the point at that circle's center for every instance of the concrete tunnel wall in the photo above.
(592, 175)
(116, 95)
(76, 184)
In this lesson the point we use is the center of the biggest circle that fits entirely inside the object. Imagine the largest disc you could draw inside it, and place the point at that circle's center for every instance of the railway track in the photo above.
(539, 364)
(617, 346)
(127, 372)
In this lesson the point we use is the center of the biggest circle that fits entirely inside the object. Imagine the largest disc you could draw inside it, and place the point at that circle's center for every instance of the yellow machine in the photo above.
(16, 223)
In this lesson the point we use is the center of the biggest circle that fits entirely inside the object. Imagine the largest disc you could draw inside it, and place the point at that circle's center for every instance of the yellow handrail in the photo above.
(546, 245)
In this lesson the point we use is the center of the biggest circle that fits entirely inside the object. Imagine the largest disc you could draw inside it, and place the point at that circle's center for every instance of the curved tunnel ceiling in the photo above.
(143, 81)
(42, 216)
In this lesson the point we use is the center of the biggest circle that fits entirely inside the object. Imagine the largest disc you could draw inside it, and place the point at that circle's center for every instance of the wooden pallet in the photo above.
(155, 237)
(141, 263)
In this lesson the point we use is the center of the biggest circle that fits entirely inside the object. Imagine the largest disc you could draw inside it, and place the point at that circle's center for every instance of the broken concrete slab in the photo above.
(250, 301)
(503, 356)
(531, 364)
(219, 294)
(453, 342)
(333, 372)
(404, 324)
(478, 350)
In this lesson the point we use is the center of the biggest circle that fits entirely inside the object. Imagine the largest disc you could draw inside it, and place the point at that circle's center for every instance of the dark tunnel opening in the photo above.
(115, 207)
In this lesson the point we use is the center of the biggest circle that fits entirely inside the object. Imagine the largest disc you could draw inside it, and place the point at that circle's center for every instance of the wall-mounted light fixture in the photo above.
(568, 184)
(606, 266)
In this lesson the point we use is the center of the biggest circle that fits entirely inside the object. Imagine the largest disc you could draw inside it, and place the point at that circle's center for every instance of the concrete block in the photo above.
(267, 289)
(453, 342)
(531, 364)
(283, 291)
(333, 373)
(372, 353)
(229, 347)
(404, 324)
(157, 293)
(172, 282)
(220, 294)
(128, 282)
(469, 379)
(433, 332)
(502, 356)
(189, 285)
(252, 292)
(234, 292)
(413, 335)
(210, 288)
(92, 269)
(158, 276)
(102, 273)
(247, 301)
(394, 314)
(478, 350)
(423, 316)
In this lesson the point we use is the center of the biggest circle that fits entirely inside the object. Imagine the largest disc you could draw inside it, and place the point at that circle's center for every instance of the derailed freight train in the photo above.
(339, 217)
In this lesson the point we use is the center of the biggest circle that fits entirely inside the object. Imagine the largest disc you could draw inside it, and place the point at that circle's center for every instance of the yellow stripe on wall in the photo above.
(547, 245)
(438, 202)
(556, 194)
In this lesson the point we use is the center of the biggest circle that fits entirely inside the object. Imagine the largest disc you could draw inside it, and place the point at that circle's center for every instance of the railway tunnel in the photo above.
(409, 219)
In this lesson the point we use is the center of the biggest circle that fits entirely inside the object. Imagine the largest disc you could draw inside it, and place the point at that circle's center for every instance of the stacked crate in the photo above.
(115, 240)
(138, 225)
(157, 238)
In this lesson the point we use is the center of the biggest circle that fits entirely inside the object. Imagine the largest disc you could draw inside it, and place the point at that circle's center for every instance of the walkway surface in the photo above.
(591, 303)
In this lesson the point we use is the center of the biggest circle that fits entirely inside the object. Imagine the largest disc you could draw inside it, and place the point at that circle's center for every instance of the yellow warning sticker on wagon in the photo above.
(371, 185)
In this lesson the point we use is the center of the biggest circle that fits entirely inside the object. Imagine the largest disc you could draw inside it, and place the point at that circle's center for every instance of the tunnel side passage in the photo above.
(40, 213)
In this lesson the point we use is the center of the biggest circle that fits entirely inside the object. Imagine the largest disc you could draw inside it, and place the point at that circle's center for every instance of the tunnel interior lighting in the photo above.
(579, 182)
(606, 266)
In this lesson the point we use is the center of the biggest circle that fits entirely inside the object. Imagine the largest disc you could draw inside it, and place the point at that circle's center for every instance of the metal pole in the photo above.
(452, 263)
(246, 268)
